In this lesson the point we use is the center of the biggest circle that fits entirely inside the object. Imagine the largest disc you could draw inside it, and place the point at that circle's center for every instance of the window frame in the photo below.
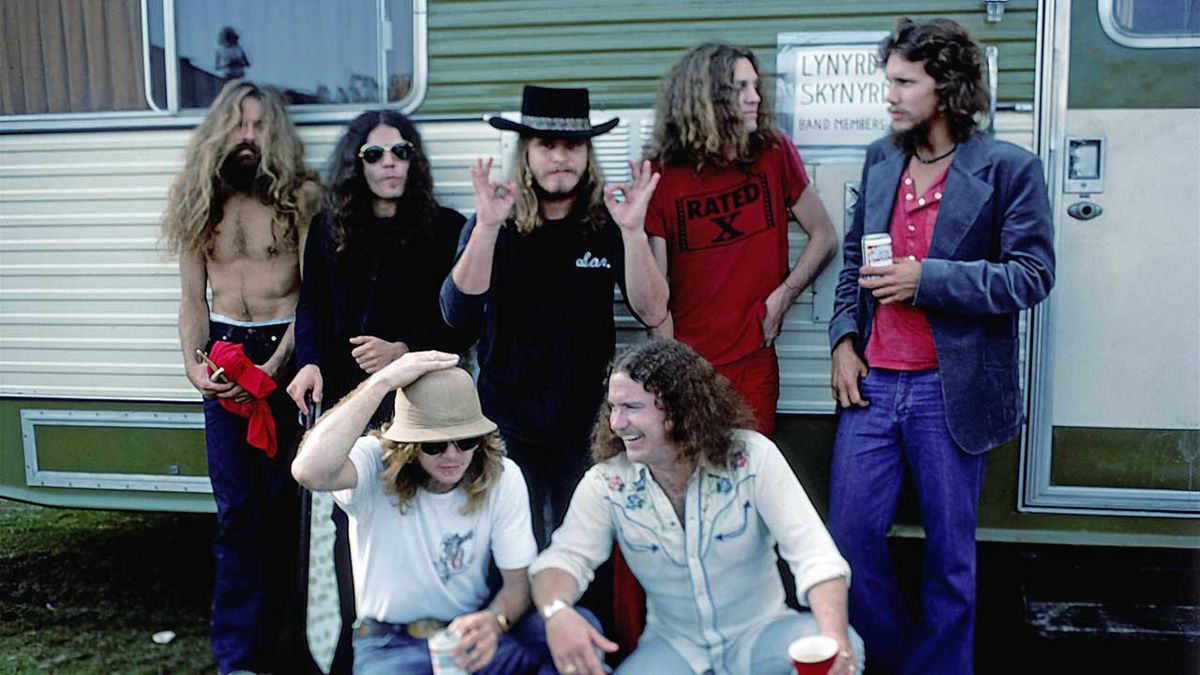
(155, 117)
(1139, 40)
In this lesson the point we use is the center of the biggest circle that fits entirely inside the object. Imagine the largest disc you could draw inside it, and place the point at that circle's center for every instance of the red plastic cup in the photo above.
(813, 655)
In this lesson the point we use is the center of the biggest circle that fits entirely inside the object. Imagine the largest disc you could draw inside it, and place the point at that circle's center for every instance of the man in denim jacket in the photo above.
(972, 244)
(697, 502)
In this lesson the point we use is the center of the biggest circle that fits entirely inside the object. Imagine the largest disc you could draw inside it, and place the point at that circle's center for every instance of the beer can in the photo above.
(440, 644)
(877, 250)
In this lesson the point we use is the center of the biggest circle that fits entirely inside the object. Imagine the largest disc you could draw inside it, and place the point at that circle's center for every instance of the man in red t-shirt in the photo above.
(718, 220)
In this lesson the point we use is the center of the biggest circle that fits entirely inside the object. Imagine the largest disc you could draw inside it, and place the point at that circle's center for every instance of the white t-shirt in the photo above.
(432, 560)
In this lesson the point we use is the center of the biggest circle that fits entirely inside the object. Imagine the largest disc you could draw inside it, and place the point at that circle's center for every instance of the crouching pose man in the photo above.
(431, 501)
(697, 502)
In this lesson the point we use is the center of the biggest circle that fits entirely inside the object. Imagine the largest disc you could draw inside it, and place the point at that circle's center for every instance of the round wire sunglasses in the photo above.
(373, 153)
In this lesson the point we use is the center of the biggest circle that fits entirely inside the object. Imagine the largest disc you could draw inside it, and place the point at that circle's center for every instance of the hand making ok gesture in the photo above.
(630, 214)
(493, 198)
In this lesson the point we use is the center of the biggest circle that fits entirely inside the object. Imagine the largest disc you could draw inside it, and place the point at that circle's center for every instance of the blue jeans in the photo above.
(904, 429)
(257, 521)
(768, 653)
(521, 650)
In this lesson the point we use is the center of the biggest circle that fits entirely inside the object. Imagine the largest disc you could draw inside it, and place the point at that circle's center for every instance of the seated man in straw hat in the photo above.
(431, 500)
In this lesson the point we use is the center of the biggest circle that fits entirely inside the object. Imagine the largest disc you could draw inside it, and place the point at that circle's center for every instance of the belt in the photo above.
(421, 629)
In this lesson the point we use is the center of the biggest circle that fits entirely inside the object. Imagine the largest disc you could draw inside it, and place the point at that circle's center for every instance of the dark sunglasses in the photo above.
(463, 445)
(373, 153)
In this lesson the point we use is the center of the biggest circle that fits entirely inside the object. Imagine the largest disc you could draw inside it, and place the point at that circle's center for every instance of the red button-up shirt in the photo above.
(900, 337)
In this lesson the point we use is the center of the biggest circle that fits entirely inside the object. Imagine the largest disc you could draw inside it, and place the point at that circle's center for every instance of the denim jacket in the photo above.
(710, 580)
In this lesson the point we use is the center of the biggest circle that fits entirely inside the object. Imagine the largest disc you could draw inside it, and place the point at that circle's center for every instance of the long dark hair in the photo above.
(349, 200)
(952, 59)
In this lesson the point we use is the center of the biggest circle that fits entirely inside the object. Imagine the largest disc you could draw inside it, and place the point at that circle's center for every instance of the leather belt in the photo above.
(421, 629)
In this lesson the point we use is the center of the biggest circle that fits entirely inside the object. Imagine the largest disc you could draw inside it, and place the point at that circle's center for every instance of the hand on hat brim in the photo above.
(412, 365)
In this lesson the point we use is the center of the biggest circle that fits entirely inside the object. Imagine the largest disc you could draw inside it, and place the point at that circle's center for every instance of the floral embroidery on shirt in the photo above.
(635, 501)
(723, 484)
(740, 460)
(453, 559)
(640, 483)
(615, 484)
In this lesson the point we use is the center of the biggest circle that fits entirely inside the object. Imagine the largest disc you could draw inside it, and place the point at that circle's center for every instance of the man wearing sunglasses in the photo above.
(375, 259)
(535, 275)
(431, 501)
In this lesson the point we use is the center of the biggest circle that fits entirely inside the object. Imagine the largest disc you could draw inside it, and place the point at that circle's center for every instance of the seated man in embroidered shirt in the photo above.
(431, 501)
(697, 501)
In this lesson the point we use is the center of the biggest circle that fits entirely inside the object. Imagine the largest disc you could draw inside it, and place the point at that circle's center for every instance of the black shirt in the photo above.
(385, 285)
(545, 325)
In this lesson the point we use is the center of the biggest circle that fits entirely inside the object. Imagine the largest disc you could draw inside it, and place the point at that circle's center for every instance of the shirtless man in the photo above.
(235, 217)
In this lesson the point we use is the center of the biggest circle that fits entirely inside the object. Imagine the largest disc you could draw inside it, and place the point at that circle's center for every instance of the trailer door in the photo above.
(1115, 374)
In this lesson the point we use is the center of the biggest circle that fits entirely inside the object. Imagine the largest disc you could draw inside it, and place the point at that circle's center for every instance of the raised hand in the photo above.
(630, 214)
(493, 198)
(408, 368)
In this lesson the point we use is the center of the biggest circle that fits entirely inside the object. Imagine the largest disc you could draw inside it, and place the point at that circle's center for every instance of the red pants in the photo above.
(754, 376)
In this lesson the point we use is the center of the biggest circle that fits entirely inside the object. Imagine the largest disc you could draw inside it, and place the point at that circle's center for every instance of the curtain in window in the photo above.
(60, 56)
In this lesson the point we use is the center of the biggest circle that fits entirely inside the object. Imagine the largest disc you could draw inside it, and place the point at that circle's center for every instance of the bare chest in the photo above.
(248, 231)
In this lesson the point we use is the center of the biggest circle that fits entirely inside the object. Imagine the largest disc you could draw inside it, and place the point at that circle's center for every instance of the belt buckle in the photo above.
(423, 629)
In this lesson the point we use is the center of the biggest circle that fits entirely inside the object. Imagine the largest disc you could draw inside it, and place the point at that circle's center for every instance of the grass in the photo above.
(84, 591)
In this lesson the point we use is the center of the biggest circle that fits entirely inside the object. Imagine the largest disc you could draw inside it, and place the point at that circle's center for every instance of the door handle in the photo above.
(1084, 210)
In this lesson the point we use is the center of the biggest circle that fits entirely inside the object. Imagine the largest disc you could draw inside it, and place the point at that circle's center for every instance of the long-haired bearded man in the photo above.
(236, 217)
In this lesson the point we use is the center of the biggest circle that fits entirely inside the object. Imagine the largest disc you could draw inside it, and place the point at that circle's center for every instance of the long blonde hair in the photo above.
(195, 201)
(589, 200)
(697, 116)
(402, 473)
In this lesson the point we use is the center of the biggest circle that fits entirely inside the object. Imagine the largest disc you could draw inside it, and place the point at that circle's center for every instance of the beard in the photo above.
(240, 171)
(916, 136)
(554, 195)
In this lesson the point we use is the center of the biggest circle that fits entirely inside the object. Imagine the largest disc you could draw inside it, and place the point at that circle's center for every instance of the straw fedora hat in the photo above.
(440, 406)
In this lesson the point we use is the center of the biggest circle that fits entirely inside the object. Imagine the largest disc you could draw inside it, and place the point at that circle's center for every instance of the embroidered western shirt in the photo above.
(711, 580)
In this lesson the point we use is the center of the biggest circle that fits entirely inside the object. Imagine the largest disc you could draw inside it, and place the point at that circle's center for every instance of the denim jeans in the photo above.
(521, 650)
(904, 429)
(768, 655)
(257, 521)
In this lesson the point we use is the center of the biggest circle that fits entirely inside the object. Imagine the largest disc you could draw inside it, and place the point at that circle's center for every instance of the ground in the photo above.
(84, 591)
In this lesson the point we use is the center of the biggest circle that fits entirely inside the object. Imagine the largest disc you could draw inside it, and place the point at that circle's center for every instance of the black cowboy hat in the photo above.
(549, 112)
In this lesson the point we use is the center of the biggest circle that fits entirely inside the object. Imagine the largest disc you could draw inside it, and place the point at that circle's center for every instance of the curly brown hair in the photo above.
(697, 117)
(402, 473)
(952, 59)
(702, 409)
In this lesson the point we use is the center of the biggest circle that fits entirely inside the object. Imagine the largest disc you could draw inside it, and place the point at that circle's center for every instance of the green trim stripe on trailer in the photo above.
(104, 454)
(480, 53)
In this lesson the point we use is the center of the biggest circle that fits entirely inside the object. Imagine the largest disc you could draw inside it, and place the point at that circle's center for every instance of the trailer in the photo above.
(99, 99)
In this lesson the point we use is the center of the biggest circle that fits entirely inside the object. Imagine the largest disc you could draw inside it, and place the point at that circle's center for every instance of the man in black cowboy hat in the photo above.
(534, 275)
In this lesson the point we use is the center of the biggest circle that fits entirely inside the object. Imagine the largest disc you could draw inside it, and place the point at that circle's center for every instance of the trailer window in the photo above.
(161, 62)
(70, 57)
(1152, 23)
(317, 52)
